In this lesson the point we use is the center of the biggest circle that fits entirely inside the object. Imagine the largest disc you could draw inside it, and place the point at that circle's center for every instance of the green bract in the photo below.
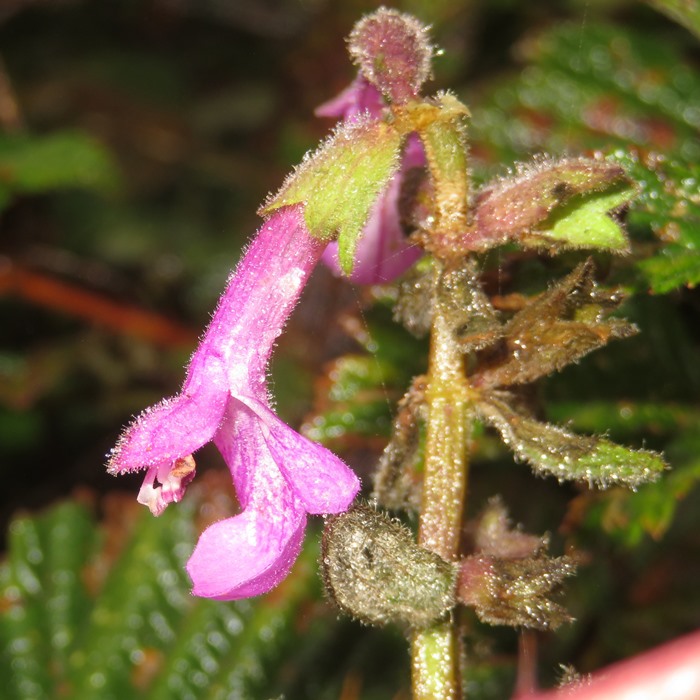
(588, 223)
(339, 183)
(565, 202)
(440, 125)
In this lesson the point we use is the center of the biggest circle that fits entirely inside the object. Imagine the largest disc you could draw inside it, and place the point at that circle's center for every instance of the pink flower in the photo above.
(357, 98)
(383, 250)
(279, 475)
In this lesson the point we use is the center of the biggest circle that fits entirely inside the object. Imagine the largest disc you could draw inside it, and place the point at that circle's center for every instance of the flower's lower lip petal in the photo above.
(176, 427)
(322, 481)
(245, 556)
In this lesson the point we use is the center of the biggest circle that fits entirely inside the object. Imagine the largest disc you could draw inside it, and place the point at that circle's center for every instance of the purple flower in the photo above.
(357, 98)
(279, 475)
(383, 250)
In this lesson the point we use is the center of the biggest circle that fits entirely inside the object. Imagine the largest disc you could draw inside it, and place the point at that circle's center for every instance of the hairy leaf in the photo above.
(630, 516)
(589, 222)
(552, 450)
(339, 182)
(669, 203)
(374, 570)
(510, 579)
(521, 206)
(468, 310)
(495, 535)
(553, 330)
(611, 89)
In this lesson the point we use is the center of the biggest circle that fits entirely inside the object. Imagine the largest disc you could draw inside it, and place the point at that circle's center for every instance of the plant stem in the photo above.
(435, 651)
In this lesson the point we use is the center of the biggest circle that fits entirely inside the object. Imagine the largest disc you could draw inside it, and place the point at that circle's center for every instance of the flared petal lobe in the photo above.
(244, 556)
(323, 482)
(250, 553)
(359, 97)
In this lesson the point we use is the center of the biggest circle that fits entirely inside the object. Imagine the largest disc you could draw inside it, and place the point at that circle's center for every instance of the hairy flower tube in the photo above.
(279, 475)
(383, 250)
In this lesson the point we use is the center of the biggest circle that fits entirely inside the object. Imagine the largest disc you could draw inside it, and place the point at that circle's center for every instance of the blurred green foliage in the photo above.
(36, 164)
(105, 612)
(140, 138)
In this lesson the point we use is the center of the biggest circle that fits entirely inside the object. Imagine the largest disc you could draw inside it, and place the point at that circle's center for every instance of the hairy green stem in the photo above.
(435, 651)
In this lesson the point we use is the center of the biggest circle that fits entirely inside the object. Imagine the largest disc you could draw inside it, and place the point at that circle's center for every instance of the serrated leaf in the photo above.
(106, 613)
(611, 89)
(339, 183)
(649, 511)
(673, 268)
(517, 592)
(670, 205)
(552, 450)
(553, 330)
(69, 159)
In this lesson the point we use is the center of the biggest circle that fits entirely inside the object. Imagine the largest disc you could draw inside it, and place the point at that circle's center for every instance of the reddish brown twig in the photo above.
(52, 293)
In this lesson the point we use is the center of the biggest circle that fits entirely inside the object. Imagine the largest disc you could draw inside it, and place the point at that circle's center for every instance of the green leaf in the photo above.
(69, 159)
(650, 509)
(553, 451)
(668, 203)
(339, 183)
(682, 11)
(629, 517)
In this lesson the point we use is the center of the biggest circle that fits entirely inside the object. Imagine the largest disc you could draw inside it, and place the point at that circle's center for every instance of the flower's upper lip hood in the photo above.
(175, 427)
